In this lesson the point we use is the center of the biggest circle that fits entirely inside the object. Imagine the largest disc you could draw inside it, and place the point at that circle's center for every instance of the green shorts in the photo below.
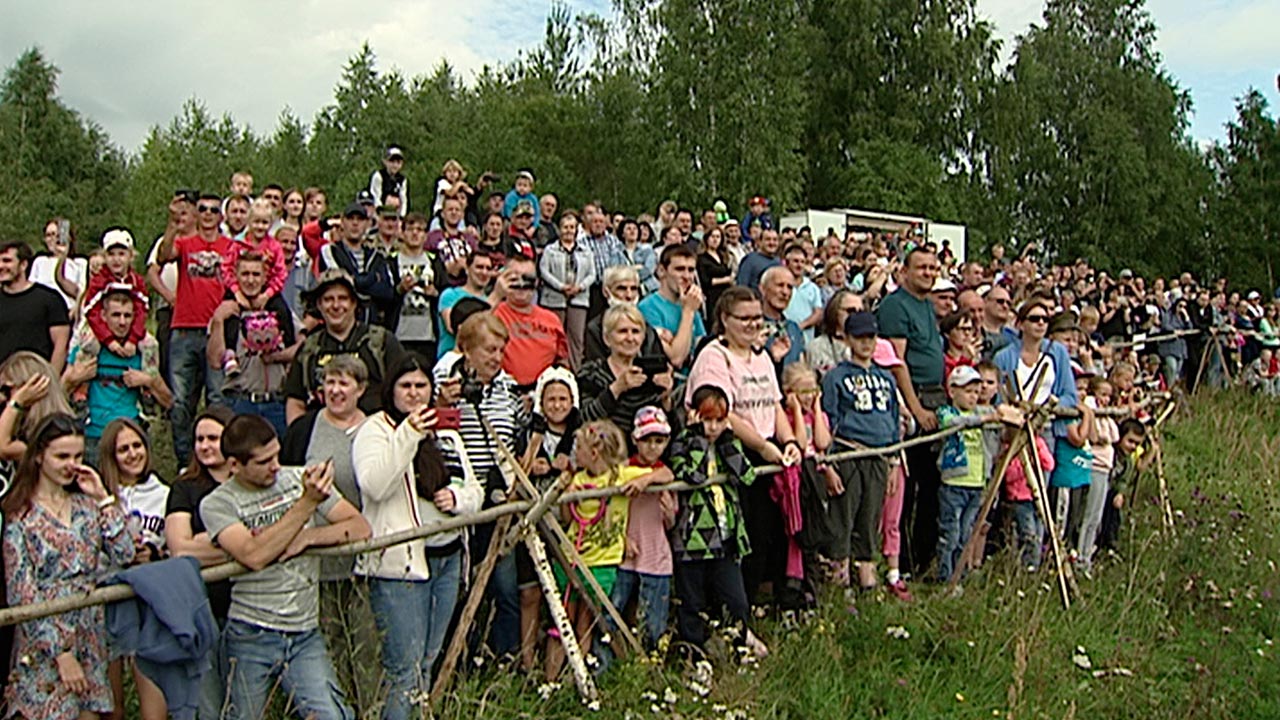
(606, 575)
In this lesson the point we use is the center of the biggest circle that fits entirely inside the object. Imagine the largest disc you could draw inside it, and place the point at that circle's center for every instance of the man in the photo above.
(783, 339)
(163, 277)
(419, 271)
(116, 383)
(606, 250)
(237, 209)
(366, 265)
(970, 303)
(263, 515)
(763, 257)
(452, 242)
(275, 194)
(536, 337)
(732, 236)
(972, 275)
(335, 297)
(684, 221)
(906, 317)
(32, 316)
(622, 285)
(252, 346)
(548, 231)
(677, 306)
(480, 271)
(943, 297)
(388, 180)
(389, 230)
(997, 309)
(806, 306)
(199, 293)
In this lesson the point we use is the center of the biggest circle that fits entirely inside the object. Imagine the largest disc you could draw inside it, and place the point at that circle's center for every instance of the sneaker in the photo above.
(900, 591)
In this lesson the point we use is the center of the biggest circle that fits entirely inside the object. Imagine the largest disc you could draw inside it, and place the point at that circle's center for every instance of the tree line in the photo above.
(1079, 143)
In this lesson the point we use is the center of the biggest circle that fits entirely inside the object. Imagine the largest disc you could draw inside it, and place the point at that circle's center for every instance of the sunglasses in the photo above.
(1037, 318)
(1003, 302)
(208, 208)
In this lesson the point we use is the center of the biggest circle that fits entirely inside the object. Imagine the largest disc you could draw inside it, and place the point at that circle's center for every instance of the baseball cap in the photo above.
(355, 208)
(943, 285)
(364, 197)
(1254, 295)
(524, 207)
(650, 420)
(963, 375)
(465, 308)
(117, 237)
(526, 174)
(394, 152)
(860, 324)
(328, 278)
(758, 200)
(1063, 321)
(388, 211)
(1126, 273)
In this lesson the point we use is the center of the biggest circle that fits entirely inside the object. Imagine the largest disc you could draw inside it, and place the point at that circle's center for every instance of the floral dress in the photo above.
(45, 560)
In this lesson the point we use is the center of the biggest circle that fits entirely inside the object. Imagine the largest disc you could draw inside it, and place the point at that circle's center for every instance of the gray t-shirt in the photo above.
(281, 596)
(329, 441)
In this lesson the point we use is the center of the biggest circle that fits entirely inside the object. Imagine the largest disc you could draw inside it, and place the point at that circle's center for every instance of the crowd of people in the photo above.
(334, 376)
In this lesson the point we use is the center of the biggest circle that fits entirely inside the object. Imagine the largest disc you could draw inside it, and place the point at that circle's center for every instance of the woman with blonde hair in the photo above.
(32, 391)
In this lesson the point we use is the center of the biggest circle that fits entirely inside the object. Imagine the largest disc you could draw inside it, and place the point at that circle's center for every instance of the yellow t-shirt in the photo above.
(602, 541)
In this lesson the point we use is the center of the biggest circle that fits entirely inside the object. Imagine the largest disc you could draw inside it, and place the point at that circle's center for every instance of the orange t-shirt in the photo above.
(537, 342)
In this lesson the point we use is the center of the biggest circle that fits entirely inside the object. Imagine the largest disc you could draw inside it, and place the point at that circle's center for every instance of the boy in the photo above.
(117, 273)
(264, 514)
(964, 464)
(1130, 460)
(389, 181)
(523, 190)
(862, 398)
(420, 273)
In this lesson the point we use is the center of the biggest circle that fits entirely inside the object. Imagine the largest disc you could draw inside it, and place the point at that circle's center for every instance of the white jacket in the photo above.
(382, 456)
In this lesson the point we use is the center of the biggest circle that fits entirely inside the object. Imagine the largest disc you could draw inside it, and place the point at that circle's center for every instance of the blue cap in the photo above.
(860, 324)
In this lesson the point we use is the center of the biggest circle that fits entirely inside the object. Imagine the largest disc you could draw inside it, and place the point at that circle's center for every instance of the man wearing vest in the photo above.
(341, 334)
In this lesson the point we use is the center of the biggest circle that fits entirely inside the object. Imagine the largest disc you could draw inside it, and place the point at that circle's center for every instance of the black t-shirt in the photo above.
(25, 319)
(185, 496)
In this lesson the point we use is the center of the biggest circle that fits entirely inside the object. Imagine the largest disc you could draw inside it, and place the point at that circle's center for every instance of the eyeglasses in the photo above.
(1037, 318)
(208, 208)
(1003, 302)
(748, 319)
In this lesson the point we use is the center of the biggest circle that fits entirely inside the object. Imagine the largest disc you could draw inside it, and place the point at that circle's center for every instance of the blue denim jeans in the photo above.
(504, 588)
(256, 657)
(191, 374)
(1027, 522)
(957, 510)
(273, 412)
(653, 599)
(412, 618)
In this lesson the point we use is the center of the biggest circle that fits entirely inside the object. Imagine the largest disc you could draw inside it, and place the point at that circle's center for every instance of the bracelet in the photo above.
(17, 406)
(106, 502)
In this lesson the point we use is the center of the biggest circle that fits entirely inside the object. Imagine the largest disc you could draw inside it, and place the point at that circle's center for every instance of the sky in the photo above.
(131, 65)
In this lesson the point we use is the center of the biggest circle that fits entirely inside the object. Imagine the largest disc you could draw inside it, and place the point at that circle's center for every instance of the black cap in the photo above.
(860, 324)
(465, 308)
(355, 208)
(365, 197)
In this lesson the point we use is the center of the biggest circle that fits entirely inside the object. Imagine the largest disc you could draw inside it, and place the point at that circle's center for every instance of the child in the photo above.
(646, 566)
(598, 528)
(523, 190)
(709, 538)
(1018, 495)
(1130, 460)
(116, 273)
(863, 398)
(257, 239)
(389, 181)
(1105, 435)
(1073, 464)
(1261, 374)
(803, 402)
(964, 465)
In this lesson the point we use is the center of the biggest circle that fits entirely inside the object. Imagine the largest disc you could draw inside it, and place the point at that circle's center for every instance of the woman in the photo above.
(963, 344)
(614, 387)
(493, 239)
(62, 531)
(1173, 352)
(185, 534)
(1023, 363)
(568, 271)
(759, 420)
(294, 206)
(62, 269)
(125, 466)
(478, 386)
(646, 231)
(640, 254)
(829, 349)
(403, 483)
(714, 274)
(315, 204)
(33, 393)
(836, 273)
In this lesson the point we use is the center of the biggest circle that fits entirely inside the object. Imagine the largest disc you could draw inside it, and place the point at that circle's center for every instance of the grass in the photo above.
(1179, 627)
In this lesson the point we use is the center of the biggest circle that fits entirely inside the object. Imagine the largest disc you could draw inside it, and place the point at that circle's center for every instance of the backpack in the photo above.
(371, 348)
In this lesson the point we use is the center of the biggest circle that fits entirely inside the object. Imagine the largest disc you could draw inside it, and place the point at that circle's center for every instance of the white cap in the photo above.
(117, 236)
(943, 285)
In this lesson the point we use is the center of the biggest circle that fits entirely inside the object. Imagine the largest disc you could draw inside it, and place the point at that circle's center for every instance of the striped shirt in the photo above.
(501, 406)
(607, 251)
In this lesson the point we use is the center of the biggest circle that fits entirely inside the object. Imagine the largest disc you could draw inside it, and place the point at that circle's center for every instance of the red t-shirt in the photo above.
(200, 286)
(537, 342)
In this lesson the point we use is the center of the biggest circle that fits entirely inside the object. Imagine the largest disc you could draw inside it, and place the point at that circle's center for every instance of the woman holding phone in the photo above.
(62, 530)
(615, 387)
(413, 587)
(61, 269)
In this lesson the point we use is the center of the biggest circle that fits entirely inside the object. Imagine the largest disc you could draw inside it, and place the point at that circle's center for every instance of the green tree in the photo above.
(1245, 208)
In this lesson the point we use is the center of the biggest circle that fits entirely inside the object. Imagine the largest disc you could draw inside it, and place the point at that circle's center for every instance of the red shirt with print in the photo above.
(200, 286)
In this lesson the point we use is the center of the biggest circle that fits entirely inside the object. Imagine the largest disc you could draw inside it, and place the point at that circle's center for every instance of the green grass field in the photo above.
(1180, 626)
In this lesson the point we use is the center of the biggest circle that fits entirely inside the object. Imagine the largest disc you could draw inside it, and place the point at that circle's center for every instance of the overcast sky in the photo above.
(130, 65)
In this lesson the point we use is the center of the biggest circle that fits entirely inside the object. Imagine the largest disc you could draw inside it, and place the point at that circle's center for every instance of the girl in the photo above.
(599, 528)
(1069, 483)
(803, 400)
(257, 238)
(713, 267)
(1105, 435)
(709, 538)
(58, 540)
(294, 205)
(964, 344)
(126, 472)
(451, 183)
